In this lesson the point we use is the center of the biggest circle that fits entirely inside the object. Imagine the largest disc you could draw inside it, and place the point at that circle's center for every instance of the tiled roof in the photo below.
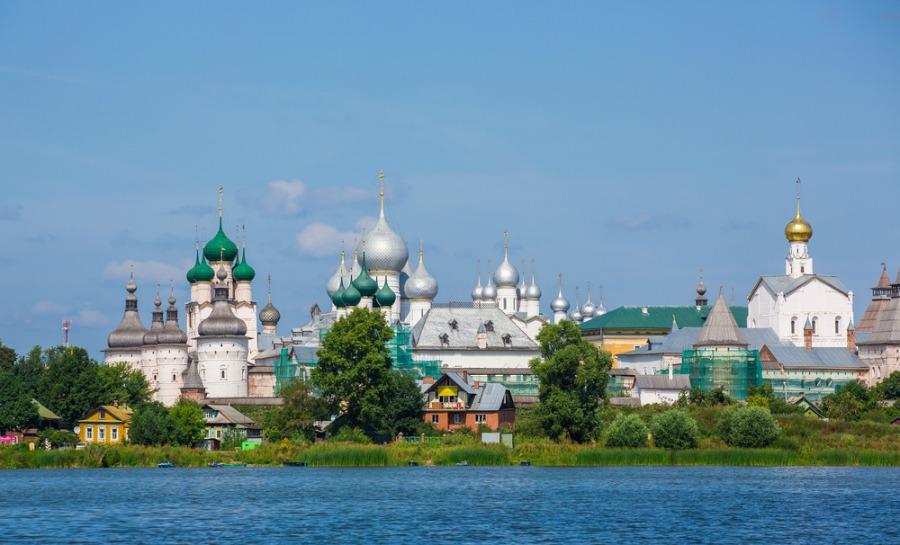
(656, 318)
(887, 330)
(720, 328)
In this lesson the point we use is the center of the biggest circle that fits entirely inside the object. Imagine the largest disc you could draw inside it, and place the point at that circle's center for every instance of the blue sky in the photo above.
(623, 145)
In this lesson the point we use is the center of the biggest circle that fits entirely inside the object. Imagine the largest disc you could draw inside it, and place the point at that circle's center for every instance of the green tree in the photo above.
(8, 358)
(748, 426)
(188, 424)
(17, 411)
(674, 429)
(30, 369)
(848, 403)
(573, 374)
(151, 425)
(355, 378)
(627, 430)
(296, 417)
(123, 385)
(70, 386)
(889, 388)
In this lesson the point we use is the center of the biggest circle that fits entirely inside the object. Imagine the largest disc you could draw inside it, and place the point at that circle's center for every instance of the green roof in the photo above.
(44, 412)
(243, 272)
(220, 247)
(659, 318)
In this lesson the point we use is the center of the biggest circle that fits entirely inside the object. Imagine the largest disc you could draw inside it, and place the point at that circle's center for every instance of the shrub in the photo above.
(674, 429)
(627, 430)
(351, 435)
(749, 427)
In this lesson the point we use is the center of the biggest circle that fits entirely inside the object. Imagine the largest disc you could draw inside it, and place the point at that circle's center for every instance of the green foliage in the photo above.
(351, 435)
(674, 429)
(849, 403)
(748, 427)
(151, 425)
(355, 378)
(30, 369)
(697, 398)
(627, 430)
(296, 418)
(123, 385)
(232, 438)
(573, 375)
(483, 455)
(57, 438)
(70, 386)
(188, 424)
(17, 412)
(346, 456)
(889, 388)
(622, 457)
(8, 359)
(528, 422)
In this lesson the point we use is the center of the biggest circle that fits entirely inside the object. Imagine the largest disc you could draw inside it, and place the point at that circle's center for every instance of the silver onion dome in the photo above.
(385, 250)
(156, 324)
(222, 322)
(489, 293)
(335, 281)
(478, 290)
(533, 292)
(589, 309)
(130, 331)
(576, 316)
(506, 275)
(421, 285)
(523, 286)
(269, 315)
(560, 303)
(172, 333)
(405, 273)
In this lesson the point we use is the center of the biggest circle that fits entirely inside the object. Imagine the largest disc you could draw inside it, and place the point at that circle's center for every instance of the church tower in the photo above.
(506, 278)
(798, 231)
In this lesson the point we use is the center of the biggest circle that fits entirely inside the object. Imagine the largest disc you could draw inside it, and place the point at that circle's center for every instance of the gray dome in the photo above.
(156, 325)
(588, 310)
(269, 315)
(130, 331)
(478, 290)
(489, 293)
(576, 316)
(522, 289)
(506, 275)
(560, 304)
(533, 291)
(172, 333)
(385, 250)
(405, 273)
(421, 285)
(335, 281)
(222, 322)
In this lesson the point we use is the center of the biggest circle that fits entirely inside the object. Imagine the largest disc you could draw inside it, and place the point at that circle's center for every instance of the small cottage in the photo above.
(453, 402)
(107, 424)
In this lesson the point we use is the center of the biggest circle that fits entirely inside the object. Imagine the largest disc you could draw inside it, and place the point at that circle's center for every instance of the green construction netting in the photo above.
(733, 369)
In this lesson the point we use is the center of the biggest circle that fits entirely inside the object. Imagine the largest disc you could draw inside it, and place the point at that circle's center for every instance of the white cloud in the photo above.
(45, 308)
(285, 197)
(155, 272)
(320, 239)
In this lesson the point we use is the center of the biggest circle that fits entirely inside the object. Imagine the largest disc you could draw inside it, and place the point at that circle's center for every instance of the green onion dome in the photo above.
(365, 284)
(243, 272)
(385, 296)
(338, 296)
(220, 247)
(201, 271)
(351, 296)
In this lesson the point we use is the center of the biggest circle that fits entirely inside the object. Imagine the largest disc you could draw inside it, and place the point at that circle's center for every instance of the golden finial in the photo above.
(221, 200)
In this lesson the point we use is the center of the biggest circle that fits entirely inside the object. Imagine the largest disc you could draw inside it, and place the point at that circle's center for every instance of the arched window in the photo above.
(814, 322)
(222, 373)
(837, 325)
(794, 325)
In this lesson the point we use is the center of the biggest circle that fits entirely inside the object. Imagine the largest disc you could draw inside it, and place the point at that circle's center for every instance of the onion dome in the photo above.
(351, 296)
(172, 333)
(576, 316)
(385, 296)
(506, 275)
(421, 285)
(220, 247)
(335, 281)
(405, 273)
(130, 331)
(560, 303)
(156, 325)
(478, 290)
(489, 293)
(798, 229)
(385, 249)
(365, 284)
(243, 272)
(355, 267)
(338, 296)
(269, 315)
(589, 309)
(523, 285)
(701, 288)
(222, 322)
(201, 271)
(533, 292)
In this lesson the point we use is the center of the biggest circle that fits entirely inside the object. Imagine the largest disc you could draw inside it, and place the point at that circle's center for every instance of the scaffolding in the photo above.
(401, 354)
(294, 364)
(734, 370)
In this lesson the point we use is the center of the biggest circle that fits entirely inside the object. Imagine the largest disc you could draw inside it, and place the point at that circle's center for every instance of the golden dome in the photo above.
(798, 229)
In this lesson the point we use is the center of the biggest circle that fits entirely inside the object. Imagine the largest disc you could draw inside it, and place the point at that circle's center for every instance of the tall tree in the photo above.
(8, 358)
(151, 424)
(70, 387)
(30, 369)
(123, 385)
(296, 417)
(355, 378)
(573, 375)
(17, 411)
(188, 424)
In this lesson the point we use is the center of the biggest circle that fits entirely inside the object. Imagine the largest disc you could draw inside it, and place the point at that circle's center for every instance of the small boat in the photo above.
(165, 465)
(463, 463)
(227, 464)
(412, 463)
(295, 464)
(525, 463)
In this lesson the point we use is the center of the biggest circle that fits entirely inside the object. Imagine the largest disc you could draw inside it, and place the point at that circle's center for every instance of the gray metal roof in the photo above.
(436, 322)
(662, 382)
(490, 397)
(684, 339)
(720, 329)
(227, 415)
(822, 357)
(457, 378)
(783, 283)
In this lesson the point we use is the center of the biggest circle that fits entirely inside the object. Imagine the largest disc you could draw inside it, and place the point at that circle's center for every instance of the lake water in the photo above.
(452, 505)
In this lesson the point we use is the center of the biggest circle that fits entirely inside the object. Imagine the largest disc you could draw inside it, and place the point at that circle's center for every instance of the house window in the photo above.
(435, 418)
(837, 325)
(447, 399)
(457, 418)
(480, 418)
(173, 377)
(89, 433)
(114, 434)
(793, 326)
(101, 433)
(101, 414)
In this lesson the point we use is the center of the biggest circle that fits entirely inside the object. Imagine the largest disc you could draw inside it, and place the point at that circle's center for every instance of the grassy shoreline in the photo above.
(355, 455)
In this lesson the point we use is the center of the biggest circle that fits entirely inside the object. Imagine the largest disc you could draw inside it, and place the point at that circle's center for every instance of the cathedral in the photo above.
(785, 303)
(215, 356)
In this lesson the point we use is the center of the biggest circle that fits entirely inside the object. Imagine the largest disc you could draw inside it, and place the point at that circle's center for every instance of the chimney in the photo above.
(807, 335)
(851, 337)
(465, 375)
(428, 380)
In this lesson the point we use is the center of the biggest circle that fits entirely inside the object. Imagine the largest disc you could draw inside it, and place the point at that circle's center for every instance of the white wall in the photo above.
(218, 354)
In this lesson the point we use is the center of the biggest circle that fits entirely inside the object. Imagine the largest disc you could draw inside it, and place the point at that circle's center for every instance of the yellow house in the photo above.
(106, 424)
